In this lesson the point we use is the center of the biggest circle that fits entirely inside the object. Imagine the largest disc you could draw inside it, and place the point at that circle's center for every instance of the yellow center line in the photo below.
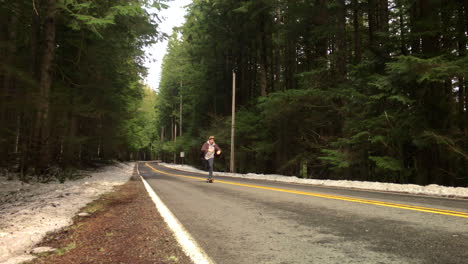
(335, 197)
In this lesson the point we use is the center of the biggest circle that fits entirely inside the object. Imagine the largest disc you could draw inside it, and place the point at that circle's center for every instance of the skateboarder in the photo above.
(210, 149)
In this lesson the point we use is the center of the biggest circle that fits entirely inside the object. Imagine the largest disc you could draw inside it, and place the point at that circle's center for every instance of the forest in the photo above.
(71, 83)
(370, 90)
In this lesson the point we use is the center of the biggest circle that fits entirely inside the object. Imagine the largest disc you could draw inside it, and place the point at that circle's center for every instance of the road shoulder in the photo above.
(123, 227)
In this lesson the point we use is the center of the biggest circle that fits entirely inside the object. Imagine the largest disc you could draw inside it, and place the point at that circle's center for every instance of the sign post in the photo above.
(233, 120)
(182, 156)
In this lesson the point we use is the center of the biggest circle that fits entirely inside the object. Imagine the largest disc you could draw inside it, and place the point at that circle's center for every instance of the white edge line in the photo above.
(189, 245)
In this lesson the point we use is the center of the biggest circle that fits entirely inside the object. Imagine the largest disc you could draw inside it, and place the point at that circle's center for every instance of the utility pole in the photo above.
(180, 125)
(233, 120)
(175, 140)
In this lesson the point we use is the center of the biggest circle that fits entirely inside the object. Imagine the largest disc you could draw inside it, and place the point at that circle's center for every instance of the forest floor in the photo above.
(107, 217)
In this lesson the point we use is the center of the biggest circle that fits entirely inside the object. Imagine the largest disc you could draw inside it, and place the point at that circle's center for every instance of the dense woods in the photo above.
(70, 79)
(331, 89)
(340, 89)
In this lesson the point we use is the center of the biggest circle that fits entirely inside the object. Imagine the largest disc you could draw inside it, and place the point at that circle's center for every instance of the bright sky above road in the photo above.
(173, 17)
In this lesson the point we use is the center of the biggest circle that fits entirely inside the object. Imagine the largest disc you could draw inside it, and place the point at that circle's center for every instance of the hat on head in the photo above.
(211, 137)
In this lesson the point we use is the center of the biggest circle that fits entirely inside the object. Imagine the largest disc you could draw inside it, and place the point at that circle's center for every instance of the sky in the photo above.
(173, 17)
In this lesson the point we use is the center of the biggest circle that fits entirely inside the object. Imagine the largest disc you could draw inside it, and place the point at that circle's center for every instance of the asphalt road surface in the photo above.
(251, 221)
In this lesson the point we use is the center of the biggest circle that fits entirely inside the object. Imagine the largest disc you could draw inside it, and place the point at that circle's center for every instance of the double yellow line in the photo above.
(342, 198)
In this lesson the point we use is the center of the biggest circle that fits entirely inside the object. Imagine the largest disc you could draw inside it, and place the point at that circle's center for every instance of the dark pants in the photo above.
(210, 168)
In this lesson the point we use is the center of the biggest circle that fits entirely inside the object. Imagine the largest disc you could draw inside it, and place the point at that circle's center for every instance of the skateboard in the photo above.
(210, 180)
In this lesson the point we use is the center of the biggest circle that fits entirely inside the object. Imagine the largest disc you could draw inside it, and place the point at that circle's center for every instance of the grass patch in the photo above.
(77, 226)
(93, 207)
(64, 250)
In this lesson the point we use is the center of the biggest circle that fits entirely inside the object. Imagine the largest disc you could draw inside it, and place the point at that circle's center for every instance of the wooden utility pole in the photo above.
(180, 125)
(175, 140)
(231, 167)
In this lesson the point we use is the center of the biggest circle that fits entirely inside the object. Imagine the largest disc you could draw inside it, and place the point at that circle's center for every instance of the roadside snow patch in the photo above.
(433, 189)
(28, 211)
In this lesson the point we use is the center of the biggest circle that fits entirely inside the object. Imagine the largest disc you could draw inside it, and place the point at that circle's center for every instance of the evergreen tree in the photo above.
(71, 82)
(366, 90)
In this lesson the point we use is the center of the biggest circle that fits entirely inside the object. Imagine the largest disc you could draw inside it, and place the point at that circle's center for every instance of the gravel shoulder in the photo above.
(122, 227)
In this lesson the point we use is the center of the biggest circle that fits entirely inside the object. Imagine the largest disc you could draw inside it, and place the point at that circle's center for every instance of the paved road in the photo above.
(236, 222)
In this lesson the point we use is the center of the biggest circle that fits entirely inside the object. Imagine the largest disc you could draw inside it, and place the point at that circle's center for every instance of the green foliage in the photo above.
(437, 69)
(141, 129)
(449, 143)
(324, 89)
(335, 158)
(98, 108)
(387, 163)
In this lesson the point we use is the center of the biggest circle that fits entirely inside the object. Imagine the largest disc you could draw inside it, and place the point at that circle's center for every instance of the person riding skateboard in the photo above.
(210, 149)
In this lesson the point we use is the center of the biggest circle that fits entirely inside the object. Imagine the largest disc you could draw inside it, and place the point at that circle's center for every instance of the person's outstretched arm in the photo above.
(217, 149)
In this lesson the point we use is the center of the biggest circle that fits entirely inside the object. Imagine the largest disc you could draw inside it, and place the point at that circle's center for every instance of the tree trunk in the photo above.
(322, 20)
(263, 67)
(372, 22)
(403, 31)
(430, 41)
(384, 28)
(7, 92)
(341, 41)
(415, 27)
(462, 26)
(465, 8)
(263, 79)
(28, 129)
(10, 55)
(42, 121)
(461, 104)
(436, 99)
(356, 32)
(277, 53)
(262, 49)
